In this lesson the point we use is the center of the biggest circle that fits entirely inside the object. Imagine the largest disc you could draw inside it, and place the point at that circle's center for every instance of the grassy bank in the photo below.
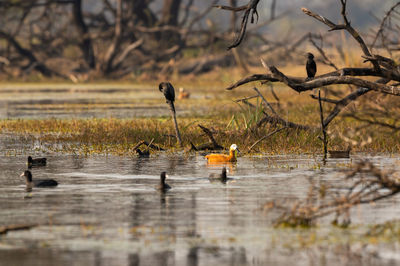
(119, 136)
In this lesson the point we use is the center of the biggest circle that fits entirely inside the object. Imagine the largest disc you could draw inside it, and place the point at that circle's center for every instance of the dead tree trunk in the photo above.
(141, 12)
(33, 61)
(170, 14)
(85, 42)
(113, 48)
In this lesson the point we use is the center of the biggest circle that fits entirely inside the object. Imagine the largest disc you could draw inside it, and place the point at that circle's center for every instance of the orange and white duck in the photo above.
(223, 158)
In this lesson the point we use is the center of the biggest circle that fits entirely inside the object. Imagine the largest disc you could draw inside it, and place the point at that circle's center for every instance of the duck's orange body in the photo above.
(223, 158)
(183, 94)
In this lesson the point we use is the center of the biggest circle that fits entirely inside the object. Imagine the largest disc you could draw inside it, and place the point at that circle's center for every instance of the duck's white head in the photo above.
(233, 147)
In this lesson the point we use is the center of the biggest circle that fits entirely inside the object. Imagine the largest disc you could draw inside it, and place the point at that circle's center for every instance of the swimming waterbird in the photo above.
(221, 177)
(36, 161)
(30, 183)
(223, 158)
(163, 187)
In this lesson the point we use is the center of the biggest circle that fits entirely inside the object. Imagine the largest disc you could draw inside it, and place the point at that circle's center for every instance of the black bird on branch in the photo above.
(169, 92)
(311, 67)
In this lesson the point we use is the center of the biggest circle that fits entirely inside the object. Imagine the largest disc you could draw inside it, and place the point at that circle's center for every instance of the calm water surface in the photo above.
(106, 211)
(93, 100)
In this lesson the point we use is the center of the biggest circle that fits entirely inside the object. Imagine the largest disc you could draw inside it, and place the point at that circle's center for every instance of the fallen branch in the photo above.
(212, 145)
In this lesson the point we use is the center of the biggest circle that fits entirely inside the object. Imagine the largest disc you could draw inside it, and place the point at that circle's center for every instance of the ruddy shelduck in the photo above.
(223, 158)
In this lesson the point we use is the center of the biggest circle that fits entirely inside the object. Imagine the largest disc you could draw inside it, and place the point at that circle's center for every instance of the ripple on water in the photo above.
(107, 208)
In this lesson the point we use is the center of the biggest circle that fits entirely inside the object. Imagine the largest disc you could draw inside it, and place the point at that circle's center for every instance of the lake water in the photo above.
(93, 100)
(106, 211)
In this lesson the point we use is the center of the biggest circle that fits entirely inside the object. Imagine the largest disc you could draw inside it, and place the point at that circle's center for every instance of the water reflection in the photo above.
(86, 101)
(106, 211)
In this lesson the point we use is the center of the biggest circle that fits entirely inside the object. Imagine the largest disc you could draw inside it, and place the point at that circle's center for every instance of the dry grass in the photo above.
(119, 136)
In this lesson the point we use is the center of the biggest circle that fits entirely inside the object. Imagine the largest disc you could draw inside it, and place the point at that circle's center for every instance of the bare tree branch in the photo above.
(251, 7)
(346, 27)
(381, 26)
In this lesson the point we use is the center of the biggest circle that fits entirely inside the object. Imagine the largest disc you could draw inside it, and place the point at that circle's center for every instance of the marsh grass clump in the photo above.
(119, 136)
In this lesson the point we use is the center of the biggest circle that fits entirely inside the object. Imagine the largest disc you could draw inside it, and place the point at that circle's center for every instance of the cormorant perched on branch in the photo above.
(311, 67)
(169, 92)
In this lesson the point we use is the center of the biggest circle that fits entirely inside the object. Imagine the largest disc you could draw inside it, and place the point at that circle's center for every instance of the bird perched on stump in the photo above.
(169, 93)
(311, 67)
